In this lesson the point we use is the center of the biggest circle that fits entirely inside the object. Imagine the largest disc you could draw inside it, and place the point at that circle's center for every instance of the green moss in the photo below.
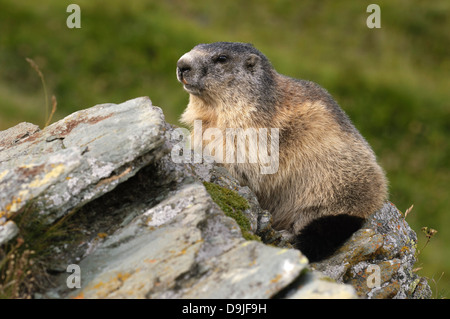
(233, 206)
(327, 279)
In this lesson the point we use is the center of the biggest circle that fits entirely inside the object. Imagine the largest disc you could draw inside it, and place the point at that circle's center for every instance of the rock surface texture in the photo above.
(148, 227)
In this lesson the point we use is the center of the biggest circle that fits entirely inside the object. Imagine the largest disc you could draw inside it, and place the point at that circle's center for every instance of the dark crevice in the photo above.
(323, 236)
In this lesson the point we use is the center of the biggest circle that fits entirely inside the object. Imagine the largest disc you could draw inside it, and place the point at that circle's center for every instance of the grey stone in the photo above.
(185, 247)
(8, 231)
(16, 133)
(79, 158)
(315, 285)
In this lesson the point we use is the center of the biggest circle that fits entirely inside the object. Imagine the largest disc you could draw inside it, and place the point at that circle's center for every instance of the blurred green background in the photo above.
(393, 82)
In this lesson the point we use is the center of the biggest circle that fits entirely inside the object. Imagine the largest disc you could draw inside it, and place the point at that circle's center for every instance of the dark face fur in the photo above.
(225, 70)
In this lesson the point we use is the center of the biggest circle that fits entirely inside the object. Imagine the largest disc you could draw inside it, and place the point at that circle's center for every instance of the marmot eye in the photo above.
(222, 58)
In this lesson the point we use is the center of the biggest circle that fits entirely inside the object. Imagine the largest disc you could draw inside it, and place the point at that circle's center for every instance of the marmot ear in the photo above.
(252, 60)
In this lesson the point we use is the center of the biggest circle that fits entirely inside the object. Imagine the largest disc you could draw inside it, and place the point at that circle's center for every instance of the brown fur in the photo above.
(325, 166)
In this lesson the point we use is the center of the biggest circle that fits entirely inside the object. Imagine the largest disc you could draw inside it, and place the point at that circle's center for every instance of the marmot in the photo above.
(328, 180)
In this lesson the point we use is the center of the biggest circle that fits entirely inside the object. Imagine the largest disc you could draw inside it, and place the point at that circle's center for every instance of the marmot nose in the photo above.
(183, 67)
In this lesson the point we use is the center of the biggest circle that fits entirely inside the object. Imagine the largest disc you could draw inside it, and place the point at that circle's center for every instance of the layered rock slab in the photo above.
(185, 247)
(71, 162)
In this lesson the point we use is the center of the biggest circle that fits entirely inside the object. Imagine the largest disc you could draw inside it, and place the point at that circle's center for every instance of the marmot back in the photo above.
(328, 180)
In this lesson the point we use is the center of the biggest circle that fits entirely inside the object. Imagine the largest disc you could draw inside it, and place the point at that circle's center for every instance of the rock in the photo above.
(79, 158)
(185, 247)
(378, 259)
(314, 285)
(139, 225)
(8, 231)
(16, 133)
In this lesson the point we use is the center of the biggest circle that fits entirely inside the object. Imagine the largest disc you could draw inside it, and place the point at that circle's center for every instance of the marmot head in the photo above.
(226, 72)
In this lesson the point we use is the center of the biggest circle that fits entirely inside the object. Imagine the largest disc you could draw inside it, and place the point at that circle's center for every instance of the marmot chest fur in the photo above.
(326, 169)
